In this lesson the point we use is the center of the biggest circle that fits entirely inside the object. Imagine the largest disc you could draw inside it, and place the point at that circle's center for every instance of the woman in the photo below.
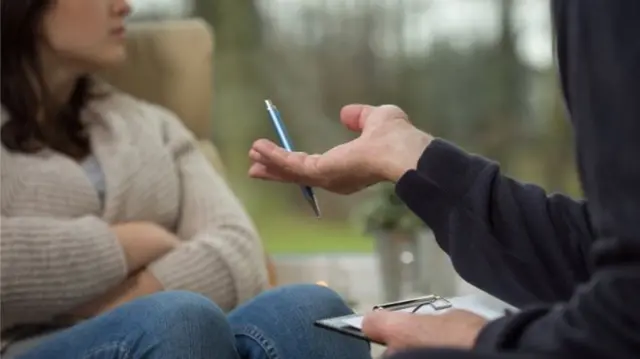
(117, 236)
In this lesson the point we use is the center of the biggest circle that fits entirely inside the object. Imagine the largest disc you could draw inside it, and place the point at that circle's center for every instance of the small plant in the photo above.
(385, 211)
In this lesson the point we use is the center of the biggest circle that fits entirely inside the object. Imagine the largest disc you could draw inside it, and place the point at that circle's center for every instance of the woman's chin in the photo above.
(118, 55)
(112, 58)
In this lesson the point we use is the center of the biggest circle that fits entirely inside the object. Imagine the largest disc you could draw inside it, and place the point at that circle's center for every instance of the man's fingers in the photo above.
(260, 171)
(374, 326)
(262, 145)
(384, 326)
(292, 166)
(255, 156)
(273, 156)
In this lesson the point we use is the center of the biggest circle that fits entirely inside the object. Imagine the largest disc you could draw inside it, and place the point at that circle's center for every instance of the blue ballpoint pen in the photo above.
(286, 143)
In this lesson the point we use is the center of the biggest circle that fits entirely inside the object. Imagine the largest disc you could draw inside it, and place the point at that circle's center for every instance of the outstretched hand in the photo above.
(388, 146)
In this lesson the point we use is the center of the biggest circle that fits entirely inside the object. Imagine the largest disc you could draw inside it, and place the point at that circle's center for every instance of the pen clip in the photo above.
(435, 301)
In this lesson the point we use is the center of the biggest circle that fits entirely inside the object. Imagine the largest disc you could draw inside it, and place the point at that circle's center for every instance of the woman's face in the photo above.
(88, 33)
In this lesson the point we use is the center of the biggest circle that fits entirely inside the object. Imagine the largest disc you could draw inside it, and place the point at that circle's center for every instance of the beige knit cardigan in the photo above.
(57, 250)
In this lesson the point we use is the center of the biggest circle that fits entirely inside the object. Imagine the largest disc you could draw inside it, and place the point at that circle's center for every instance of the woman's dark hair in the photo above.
(34, 123)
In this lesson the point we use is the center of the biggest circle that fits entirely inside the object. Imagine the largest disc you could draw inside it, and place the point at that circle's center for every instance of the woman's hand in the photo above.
(144, 242)
(388, 146)
(138, 285)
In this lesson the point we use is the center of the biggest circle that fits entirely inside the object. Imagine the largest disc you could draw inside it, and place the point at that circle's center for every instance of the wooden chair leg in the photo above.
(271, 271)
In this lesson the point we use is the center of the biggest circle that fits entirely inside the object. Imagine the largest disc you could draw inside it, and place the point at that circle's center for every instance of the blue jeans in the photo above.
(277, 324)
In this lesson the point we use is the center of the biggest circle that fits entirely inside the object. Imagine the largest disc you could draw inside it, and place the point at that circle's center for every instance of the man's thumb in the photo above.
(354, 116)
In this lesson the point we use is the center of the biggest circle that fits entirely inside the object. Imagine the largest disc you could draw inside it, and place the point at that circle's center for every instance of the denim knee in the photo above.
(180, 311)
(321, 301)
(280, 323)
(183, 322)
(170, 324)
(183, 306)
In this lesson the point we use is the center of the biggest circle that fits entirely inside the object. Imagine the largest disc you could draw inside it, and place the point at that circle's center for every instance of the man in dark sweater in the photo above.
(572, 266)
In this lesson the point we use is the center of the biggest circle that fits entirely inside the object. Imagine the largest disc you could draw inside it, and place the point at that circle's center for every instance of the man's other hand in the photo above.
(400, 330)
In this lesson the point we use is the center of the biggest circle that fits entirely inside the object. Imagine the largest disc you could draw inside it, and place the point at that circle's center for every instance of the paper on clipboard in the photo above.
(469, 303)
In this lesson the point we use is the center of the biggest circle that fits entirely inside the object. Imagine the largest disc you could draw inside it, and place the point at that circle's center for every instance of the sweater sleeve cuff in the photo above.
(196, 267)
(212, 268)
(445, 172)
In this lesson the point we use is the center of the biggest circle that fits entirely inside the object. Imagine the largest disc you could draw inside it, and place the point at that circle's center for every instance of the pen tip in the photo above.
(316, 208)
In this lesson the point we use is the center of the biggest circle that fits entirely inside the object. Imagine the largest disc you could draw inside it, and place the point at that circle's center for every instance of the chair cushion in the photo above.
(170, 63)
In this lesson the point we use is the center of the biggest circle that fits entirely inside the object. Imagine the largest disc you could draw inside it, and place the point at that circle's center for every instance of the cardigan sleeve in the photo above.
(222, 257)
(39, 256)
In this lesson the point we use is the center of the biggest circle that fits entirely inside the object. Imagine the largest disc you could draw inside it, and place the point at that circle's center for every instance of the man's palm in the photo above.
(342, 169)
(349, 158)
(387, 146)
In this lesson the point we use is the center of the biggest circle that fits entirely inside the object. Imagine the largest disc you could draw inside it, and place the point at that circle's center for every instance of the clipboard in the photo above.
(346, 324)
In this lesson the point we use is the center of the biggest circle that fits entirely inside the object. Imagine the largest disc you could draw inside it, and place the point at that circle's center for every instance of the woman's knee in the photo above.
(176, 311)
(162, 325)
(279, 312)
(187, 303)
(318, 301)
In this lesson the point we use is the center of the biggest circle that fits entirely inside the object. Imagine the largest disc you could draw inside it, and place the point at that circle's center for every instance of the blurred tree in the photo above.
(239, 83)
(501, 130)
(324, 56)
(476, 96)
(293, 78)
(560, 173)
(558, 150)
(334, 64)
(239, 89)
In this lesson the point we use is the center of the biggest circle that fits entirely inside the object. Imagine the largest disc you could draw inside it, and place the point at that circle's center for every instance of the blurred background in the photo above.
(480, 73)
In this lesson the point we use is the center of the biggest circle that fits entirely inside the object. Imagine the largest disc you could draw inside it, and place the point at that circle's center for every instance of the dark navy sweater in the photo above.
(572, 266)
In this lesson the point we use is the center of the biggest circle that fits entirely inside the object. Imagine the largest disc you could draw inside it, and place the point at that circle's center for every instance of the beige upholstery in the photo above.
(170, 63)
